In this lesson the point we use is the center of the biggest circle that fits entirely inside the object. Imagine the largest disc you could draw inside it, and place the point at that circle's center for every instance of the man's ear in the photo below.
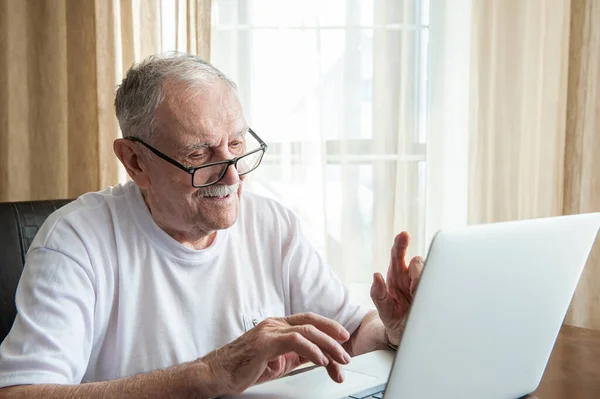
(125, 150)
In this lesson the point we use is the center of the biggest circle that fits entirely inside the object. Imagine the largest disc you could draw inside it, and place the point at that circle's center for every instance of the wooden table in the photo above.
(573, 371)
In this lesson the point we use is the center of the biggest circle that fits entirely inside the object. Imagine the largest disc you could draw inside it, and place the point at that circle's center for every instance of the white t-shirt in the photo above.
(105, 293)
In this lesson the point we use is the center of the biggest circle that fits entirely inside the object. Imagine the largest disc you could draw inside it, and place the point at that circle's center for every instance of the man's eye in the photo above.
(197, 156)
(236, 144)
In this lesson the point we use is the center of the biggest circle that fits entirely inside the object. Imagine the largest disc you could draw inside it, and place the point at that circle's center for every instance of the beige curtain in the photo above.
(61, 61)
(582, 177)
(535, 120)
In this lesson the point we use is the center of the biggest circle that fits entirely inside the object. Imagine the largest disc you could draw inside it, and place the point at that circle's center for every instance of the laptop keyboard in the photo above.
(375, 392)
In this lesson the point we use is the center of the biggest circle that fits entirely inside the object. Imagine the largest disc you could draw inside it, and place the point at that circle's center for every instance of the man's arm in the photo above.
(187, 380)
(268, 351)
(368, 337)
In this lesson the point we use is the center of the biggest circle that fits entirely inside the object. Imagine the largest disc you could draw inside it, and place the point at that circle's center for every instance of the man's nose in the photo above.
(231, 176)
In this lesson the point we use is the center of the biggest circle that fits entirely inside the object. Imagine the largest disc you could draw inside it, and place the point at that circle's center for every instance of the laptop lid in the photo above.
(489, 307)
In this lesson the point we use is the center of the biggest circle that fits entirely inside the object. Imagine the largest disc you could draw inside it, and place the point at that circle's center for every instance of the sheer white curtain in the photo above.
(418, 115)
(339, 91)
(449, 116)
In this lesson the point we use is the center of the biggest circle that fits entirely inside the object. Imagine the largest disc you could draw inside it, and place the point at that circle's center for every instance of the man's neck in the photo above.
(194, 239)
(191, 240)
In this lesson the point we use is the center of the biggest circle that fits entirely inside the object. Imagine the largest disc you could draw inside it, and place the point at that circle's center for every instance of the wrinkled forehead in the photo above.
(208, 113)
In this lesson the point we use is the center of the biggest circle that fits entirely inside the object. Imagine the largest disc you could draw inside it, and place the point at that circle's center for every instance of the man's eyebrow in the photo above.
(184, 151)
(198, 146)
(203, 146)
(241, 132)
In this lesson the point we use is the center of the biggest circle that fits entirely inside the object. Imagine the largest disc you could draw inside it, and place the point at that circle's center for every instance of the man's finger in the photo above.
(330, 327)
(335, 371)
(380, 297)
(415, 268)
(378, 288)
(328, 345)
(292, 361)
(398, 252)
(295, 342)
(280, 366)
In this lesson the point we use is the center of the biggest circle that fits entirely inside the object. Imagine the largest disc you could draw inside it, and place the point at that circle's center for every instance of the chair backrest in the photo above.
(19, 223)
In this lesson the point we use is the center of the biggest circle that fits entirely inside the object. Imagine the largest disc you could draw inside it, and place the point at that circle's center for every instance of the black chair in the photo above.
(19, 223)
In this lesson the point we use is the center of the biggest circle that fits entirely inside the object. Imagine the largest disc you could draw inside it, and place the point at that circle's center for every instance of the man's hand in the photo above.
(275, 347)
(393, 297)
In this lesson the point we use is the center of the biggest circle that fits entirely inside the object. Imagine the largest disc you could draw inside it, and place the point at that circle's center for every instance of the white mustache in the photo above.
(218, 190)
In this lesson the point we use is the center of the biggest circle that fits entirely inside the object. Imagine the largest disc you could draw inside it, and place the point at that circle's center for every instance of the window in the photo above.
(339, 91)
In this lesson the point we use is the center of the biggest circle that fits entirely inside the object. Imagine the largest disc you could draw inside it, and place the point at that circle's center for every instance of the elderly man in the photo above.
(175, 284)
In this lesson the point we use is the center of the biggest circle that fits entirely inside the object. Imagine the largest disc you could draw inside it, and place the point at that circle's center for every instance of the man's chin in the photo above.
(219, 200)
(221, 223)
(221, 213)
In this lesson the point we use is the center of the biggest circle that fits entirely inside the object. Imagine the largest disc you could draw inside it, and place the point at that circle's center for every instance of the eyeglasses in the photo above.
(212, 173)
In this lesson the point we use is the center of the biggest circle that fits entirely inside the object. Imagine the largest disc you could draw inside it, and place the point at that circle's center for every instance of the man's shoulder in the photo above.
(257, 205)
(266, 220)
(89, 212)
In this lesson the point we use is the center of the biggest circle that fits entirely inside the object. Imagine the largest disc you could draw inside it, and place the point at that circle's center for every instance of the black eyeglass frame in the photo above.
(233, 161)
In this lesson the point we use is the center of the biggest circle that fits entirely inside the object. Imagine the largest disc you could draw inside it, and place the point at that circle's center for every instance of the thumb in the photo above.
(379, 293)
(383, 301)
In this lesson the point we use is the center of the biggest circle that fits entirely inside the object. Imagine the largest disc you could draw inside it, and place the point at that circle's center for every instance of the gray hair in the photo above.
(141, 91)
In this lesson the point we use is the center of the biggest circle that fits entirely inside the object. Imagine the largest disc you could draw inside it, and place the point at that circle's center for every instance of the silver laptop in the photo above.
(488, 309)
